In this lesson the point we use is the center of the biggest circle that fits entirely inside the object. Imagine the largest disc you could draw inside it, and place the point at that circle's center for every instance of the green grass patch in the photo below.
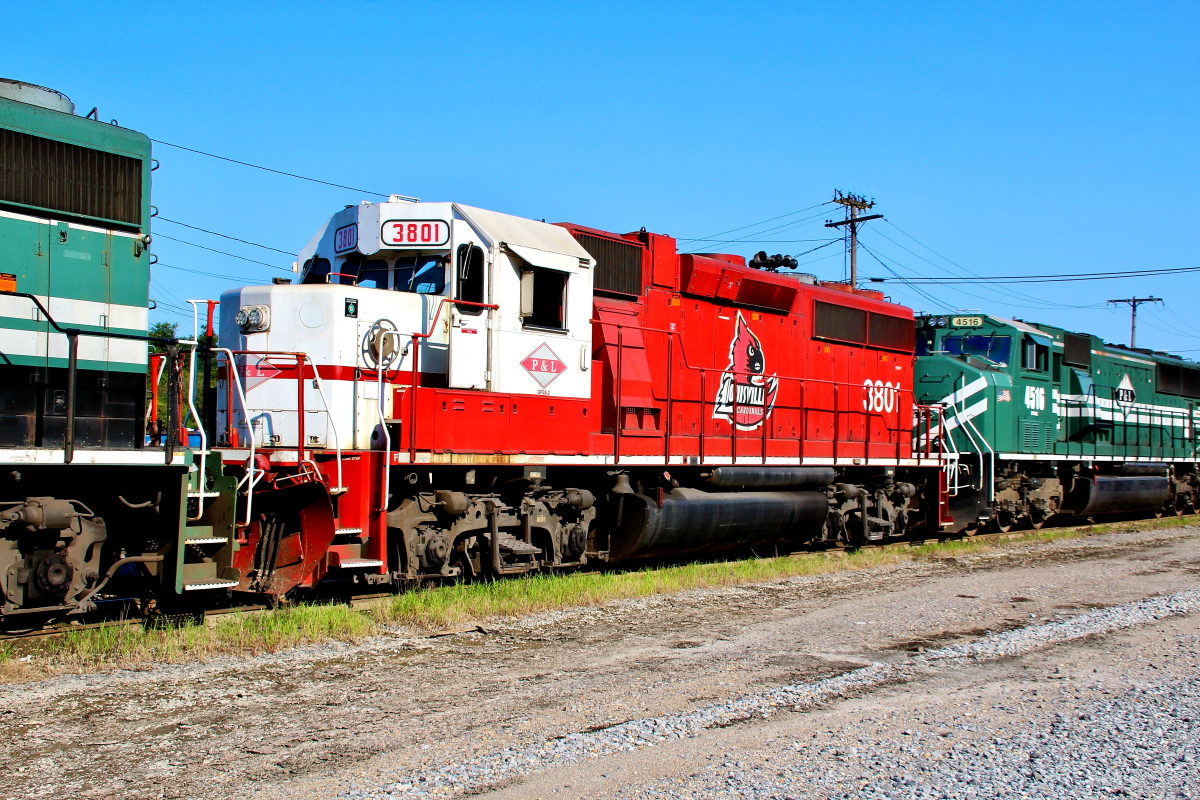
(134, 646)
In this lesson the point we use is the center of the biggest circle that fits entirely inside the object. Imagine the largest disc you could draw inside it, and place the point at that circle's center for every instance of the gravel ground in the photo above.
(643, 698)
(993, 769)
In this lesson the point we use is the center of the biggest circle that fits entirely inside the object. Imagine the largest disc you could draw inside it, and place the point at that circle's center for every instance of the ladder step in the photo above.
(204, 494)
(359, 563)
(209, 540)
(518, 547)
(348, 531)
(194, 586)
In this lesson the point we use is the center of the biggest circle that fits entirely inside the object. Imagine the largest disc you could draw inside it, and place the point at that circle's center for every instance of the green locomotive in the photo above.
(1042, 422)
(91, 512)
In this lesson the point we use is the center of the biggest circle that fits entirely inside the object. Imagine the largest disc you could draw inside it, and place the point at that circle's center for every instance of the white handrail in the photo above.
(200, 482)
(380, 368)
(337, 442)
(231, 375)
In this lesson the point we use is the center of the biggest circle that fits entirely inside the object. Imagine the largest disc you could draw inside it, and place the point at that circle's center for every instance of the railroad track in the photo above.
(61, 629)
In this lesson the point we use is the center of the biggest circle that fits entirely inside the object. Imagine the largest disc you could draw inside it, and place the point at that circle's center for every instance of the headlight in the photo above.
(253, 319)
(941, 322)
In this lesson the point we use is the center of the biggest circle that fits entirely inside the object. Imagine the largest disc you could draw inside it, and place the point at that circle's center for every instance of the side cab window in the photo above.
(471, 266)
(1035, 356)
(543, 298)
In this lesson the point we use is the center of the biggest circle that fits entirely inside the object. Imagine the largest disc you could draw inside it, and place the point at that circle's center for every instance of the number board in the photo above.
(345, 238)
(966, 322)
(415, 233)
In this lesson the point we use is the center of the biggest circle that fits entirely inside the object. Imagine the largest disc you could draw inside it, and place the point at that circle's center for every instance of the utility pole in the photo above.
(853, 204)
(1134, 302)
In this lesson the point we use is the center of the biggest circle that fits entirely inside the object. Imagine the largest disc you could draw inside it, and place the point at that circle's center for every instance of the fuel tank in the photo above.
(1139, 468)
(1112, 495)
(771, 477)
(694, 521)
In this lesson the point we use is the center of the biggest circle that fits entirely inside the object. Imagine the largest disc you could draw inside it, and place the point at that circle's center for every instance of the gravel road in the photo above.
(975, 677)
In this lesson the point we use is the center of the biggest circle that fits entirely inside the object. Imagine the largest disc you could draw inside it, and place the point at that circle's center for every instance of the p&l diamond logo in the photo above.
(257, 374)
(1125, 395)
(544, 365)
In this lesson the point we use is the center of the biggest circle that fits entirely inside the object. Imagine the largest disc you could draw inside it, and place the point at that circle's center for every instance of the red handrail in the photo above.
(898, 430)
(230, 432)
(412, 407)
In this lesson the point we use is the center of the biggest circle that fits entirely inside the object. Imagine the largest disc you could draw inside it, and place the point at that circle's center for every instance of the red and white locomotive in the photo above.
(449, 391)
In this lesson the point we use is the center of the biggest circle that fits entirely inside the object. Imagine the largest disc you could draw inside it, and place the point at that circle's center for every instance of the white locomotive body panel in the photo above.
(409, 268)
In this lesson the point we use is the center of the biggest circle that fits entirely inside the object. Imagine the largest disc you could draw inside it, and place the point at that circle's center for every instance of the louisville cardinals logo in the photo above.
(745, 381)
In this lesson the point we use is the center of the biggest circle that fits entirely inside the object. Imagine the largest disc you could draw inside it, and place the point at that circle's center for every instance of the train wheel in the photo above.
(1003, 522)
(1183, 504)
(1037, 518)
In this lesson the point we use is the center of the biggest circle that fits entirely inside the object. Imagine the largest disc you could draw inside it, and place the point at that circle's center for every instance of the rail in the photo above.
(889, 415)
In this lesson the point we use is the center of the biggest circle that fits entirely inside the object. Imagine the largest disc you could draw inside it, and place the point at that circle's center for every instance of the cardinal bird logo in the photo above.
(746, 395)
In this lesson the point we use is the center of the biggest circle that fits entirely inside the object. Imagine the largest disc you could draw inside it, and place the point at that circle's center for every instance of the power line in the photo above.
(278, 171)
(818, 247)
(1001, 292)
(222, 252)
(1054, 278)
(759, 241)
(1008, 297)
(776, 229)
(1181, 319)
(756, 224)
(937, 303)
(226, 236)
(206, 274)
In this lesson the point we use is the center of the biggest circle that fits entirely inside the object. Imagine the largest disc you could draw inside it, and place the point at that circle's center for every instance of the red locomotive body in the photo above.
(712, 405)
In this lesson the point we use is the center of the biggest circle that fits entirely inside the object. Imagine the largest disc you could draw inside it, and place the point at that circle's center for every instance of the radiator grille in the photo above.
(1177, 379)
(1031, 435)
(840, 322)
(1077, 350)
(893, 333)
(618, 264)
(70, 179)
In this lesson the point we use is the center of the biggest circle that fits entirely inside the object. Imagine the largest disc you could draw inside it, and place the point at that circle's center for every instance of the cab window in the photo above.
(543, 298)
(373, 273)
(316, 270)
(471, 267)
(993, 348)
(420, 274)
(1034, 356)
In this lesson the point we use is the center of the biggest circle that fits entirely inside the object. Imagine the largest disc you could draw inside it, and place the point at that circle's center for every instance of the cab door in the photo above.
(470, 328)
(1036, 419)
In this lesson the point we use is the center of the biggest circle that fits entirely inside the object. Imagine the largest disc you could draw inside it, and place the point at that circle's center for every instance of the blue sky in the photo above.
(1013, 138)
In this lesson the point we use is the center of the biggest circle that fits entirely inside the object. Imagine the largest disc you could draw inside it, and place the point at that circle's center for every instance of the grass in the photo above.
(132, 646)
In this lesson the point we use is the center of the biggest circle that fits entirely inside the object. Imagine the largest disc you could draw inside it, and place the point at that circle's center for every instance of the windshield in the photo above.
(994, 348)
(420, 274)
